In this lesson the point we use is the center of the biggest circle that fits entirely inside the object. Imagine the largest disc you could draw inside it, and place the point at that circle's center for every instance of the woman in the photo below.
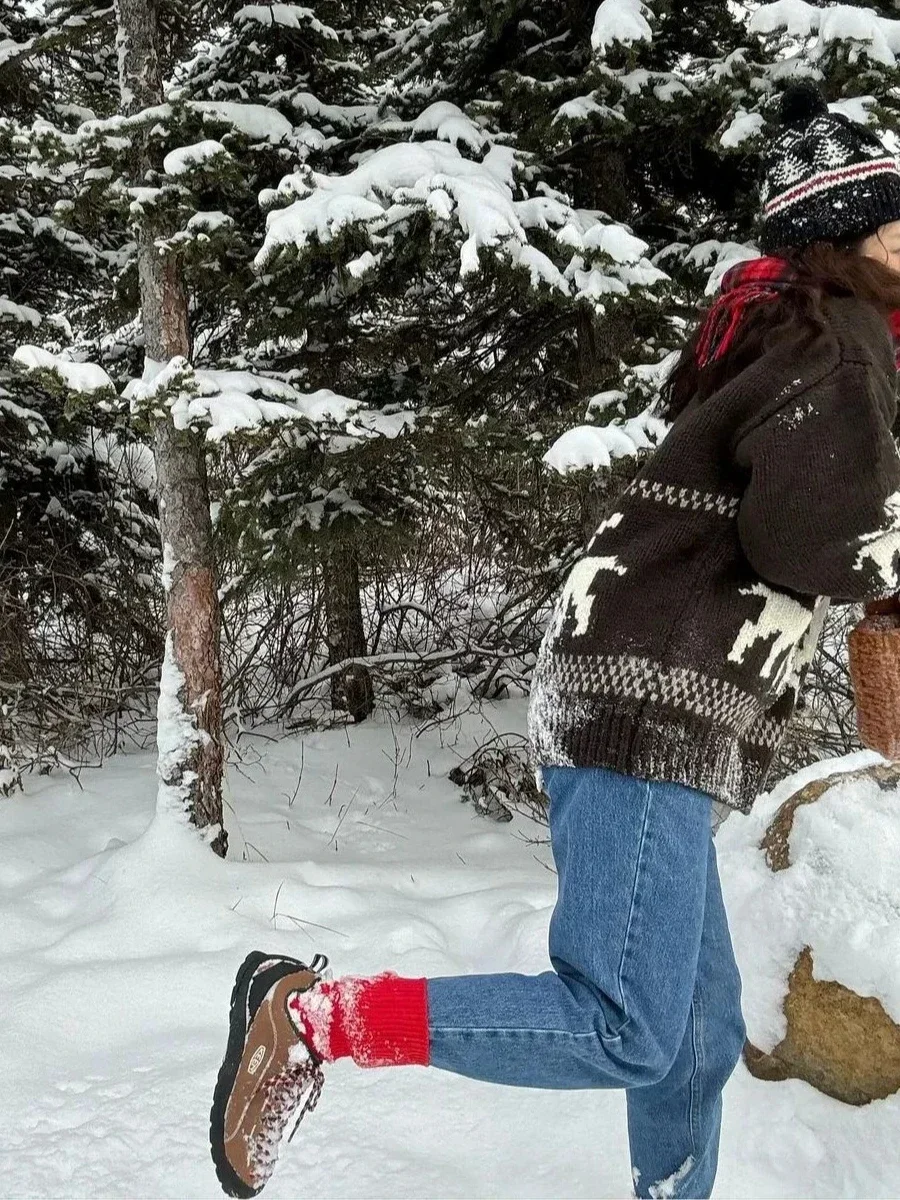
(664, 684)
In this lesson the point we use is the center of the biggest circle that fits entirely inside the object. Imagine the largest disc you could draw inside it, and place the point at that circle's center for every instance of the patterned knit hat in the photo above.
(827, 178)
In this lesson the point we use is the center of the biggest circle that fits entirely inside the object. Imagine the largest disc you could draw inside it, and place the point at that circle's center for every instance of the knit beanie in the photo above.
(827, 178)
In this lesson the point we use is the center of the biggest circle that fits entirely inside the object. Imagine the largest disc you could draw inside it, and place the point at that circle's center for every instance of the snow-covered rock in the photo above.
(842, 1043)
(837, 892)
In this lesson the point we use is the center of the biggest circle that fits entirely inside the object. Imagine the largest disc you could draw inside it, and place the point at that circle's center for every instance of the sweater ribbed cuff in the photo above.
(379, 1022)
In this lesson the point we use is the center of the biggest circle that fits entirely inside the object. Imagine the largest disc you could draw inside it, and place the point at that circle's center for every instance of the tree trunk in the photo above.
(14, 666)
(193, 614)
(588, 351)
(600, 181)
(351, 690)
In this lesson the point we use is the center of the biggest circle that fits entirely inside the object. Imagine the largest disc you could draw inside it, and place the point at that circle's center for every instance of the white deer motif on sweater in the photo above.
(882, 547)
(781, 618)
(576, 594)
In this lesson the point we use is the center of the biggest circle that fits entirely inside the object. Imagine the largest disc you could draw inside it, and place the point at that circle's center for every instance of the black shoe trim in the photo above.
(264, 976)
(250, 988)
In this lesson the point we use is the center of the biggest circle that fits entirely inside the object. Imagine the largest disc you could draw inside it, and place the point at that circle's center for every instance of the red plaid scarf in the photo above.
(895, 330)
(757, 281)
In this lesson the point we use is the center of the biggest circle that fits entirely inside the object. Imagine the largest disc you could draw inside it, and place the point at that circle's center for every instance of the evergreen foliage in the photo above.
(78, 564)
(436, 253)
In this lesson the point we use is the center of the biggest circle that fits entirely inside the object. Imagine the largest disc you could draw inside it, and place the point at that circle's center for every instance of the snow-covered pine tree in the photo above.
(20, 424)
(280, 88)
(20, 100)
(439, 276)
(76, 523)
(510, 68)
(160, 172)
(440, 238)
(676, 104)
(656, 114)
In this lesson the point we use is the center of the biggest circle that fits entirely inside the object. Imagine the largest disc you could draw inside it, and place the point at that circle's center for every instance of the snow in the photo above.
(209, 221)
(856, 108)
(107, 128)
(177, 735)
(169, 564)
(255, 121)
(477, 197)
(349, 115)
(743, 125)
(132, 459)
(595, 446)
(616, 241)
(185, 158)
(622, 21)
(449, 123)
(541, 269)
(600, 401)
(582, 107)
(80, 377)
(128, 930)
(36, 423)
(665, 1189)
(362, 265)
(878, 37)
(796, 17)
(665, 86)
(225, 402)
(483, 204)
(723, 255)
(24, 314)
(291, 16)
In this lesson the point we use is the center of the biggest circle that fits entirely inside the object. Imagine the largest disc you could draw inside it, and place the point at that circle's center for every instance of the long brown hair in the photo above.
(822, 268)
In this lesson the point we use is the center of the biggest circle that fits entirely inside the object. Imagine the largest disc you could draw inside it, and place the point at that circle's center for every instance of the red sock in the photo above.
(378, 1022)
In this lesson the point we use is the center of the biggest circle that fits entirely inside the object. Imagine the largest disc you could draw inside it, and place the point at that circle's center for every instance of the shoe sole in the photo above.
(231, 1183)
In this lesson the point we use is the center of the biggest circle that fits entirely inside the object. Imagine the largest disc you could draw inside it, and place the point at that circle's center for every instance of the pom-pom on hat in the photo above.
(827, 178)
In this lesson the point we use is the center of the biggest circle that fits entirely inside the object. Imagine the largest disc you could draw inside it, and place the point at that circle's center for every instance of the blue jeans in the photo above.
(644, 994)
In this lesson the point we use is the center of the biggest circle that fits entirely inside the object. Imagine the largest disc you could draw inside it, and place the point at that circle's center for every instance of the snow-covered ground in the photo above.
(120, 936)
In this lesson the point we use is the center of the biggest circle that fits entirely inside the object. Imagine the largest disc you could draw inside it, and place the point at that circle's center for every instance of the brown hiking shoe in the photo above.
(270, 1073)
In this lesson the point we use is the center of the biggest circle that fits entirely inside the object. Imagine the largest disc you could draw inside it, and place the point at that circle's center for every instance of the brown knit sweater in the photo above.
(679, 643)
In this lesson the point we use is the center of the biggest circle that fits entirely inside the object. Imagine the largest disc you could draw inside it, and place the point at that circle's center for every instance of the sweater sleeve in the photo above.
(821, 511)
